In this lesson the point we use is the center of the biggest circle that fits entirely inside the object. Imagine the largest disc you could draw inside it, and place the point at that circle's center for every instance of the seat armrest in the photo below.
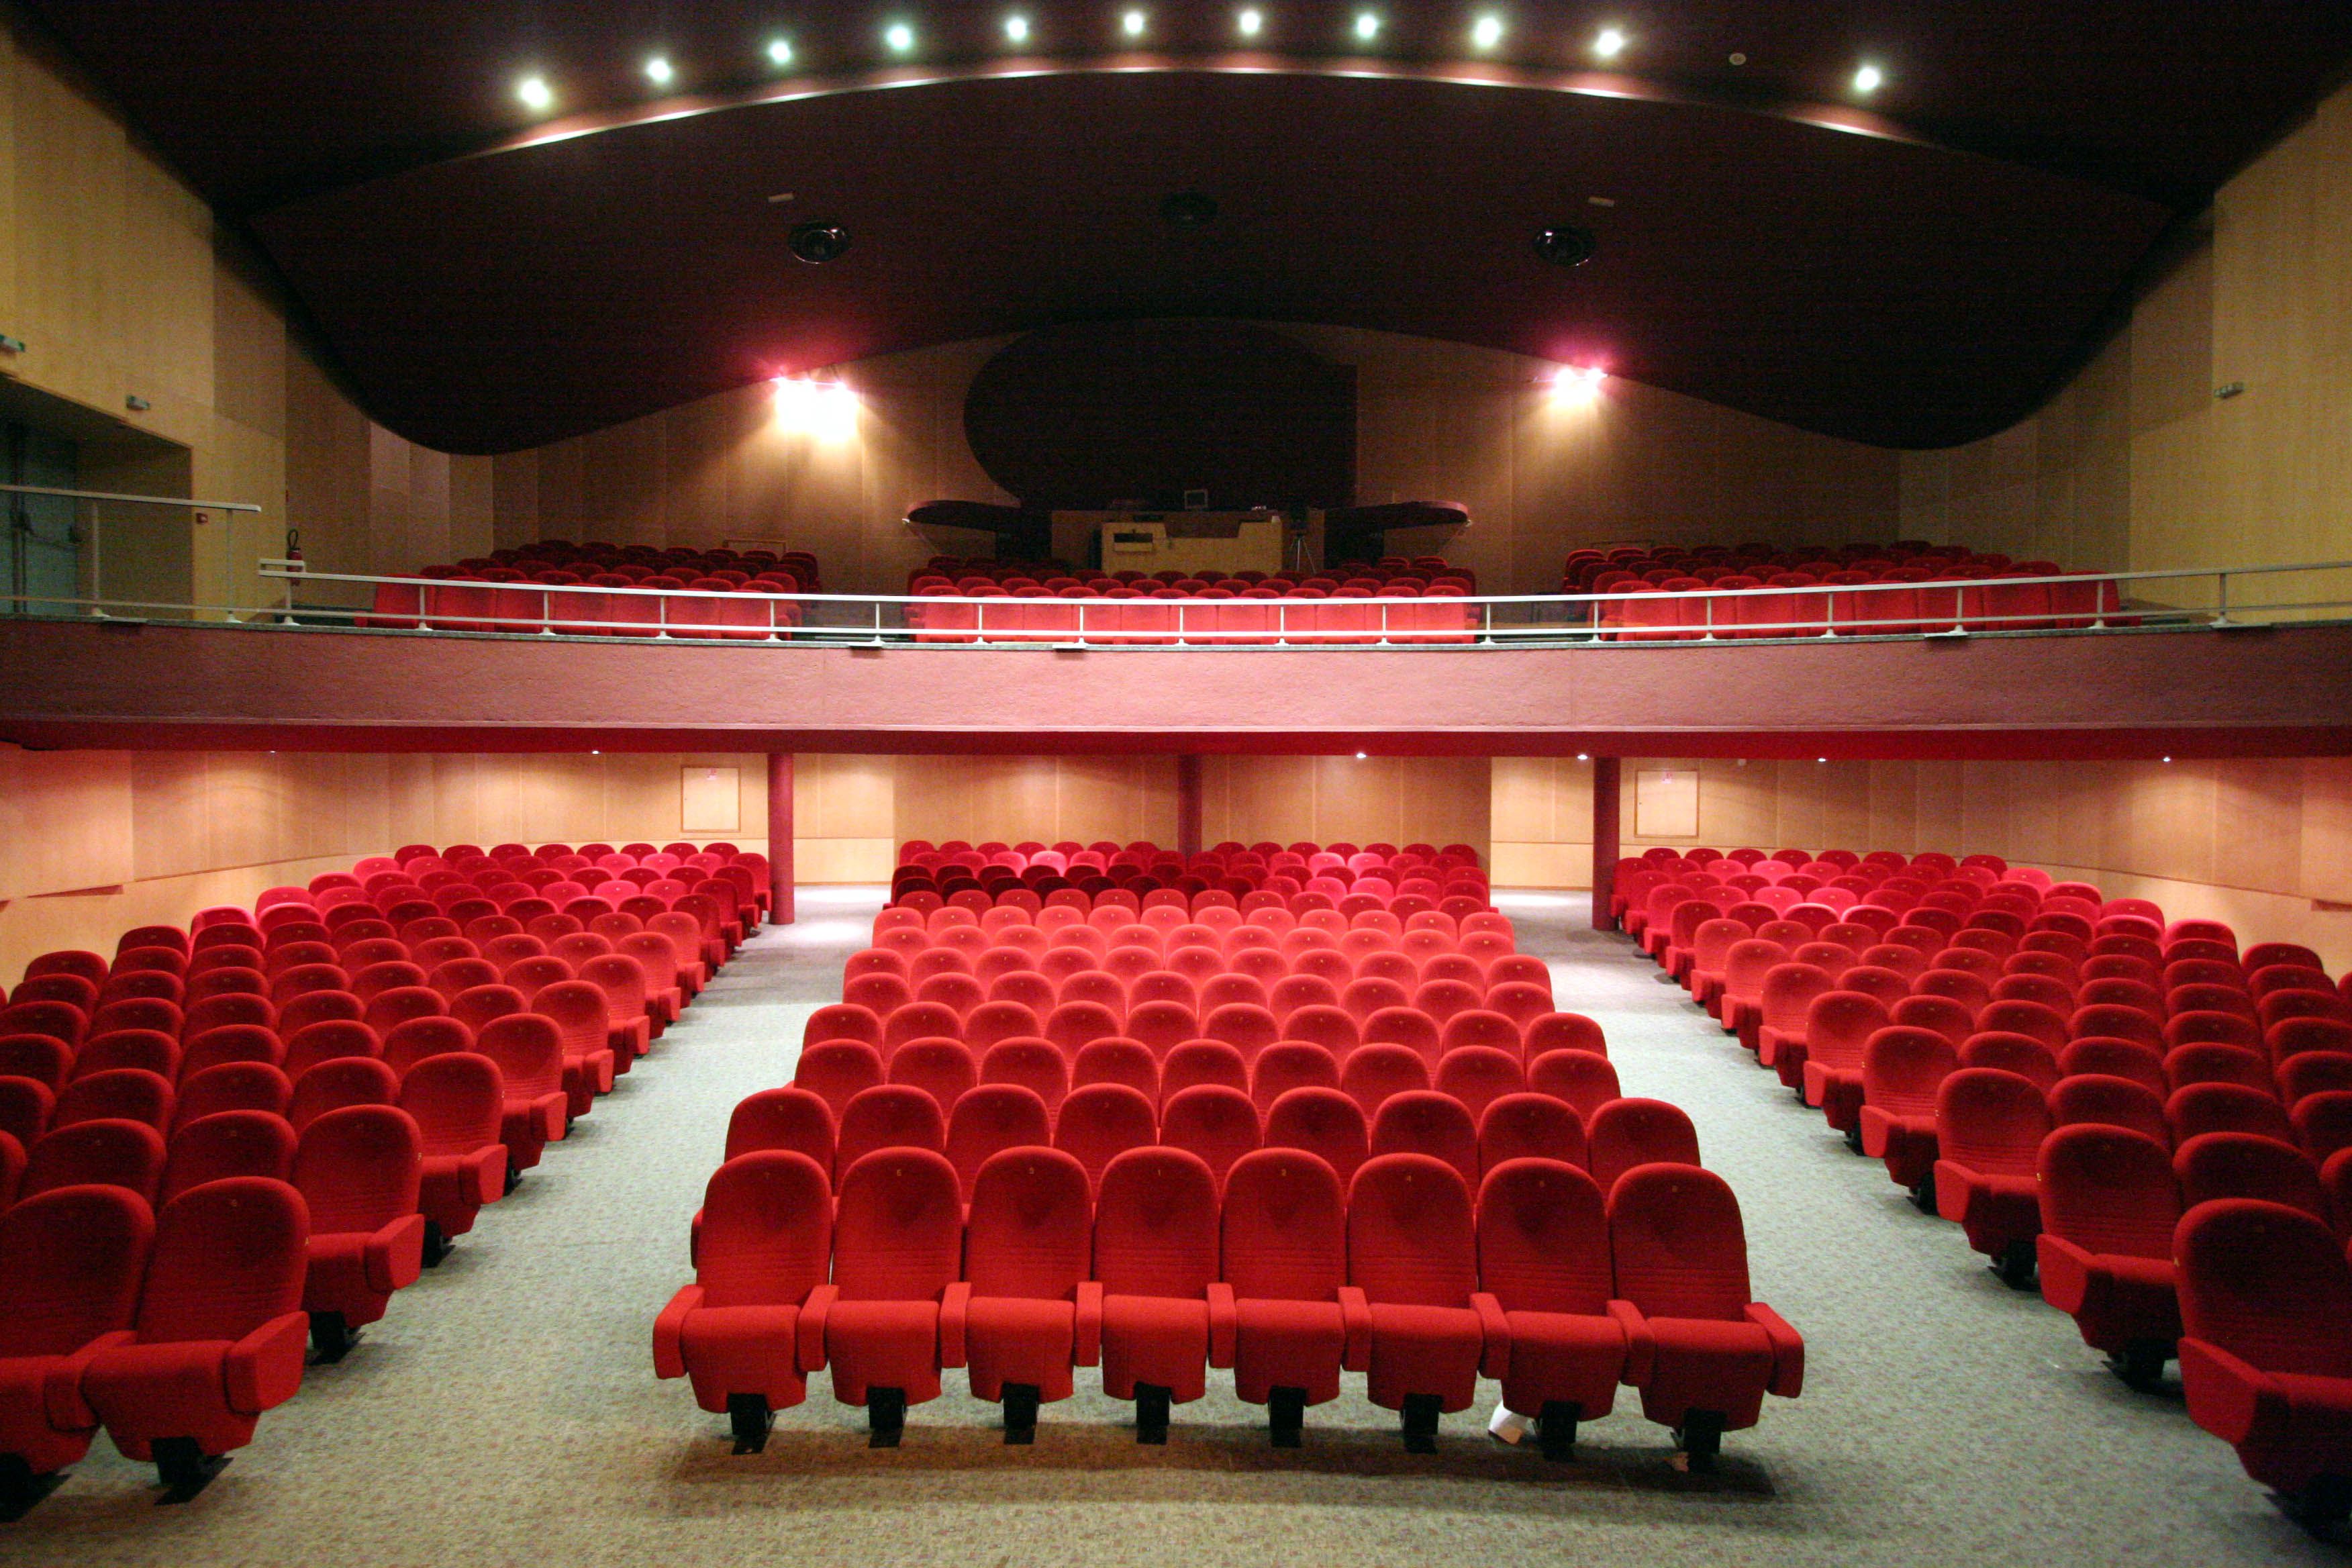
(395, 1254)
(489, 1167)
(1494, 1329)
(955, 1307)
(1086, 1344)
(1225, 1323)
(264, 1369)
(1641, 1345)
(2069, 1274)
(61, 1387)
(1787, 1351)
(669, 1331)
(810, 1351)
(1356, 1322)
(553, 1111)
(2234, 1400)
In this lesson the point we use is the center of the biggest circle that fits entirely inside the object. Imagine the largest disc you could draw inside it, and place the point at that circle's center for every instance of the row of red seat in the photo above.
(967, 575)
(506, 598)
(1120, 1074)
(2155, 1123)
(1206, 614)
(185, 1192)
(1585, 567)
(1155, 1273)
(1305, 859)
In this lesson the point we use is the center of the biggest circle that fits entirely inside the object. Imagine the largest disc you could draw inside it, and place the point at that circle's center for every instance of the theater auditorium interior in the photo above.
(1115, 781)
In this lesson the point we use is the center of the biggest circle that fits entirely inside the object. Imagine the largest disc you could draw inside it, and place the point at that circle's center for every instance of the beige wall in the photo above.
(121, 283)
(1436, 422)
(2138, 464)
(1396, 800)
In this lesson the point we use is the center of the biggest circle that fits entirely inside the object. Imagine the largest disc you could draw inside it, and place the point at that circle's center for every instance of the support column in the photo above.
(1188, 805)
(780, 839)
(1606, 816)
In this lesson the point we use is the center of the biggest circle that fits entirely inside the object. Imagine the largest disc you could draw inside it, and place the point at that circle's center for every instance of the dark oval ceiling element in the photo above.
(1567, 245)
(1190, 209)
(818, 243)
(1086, 416)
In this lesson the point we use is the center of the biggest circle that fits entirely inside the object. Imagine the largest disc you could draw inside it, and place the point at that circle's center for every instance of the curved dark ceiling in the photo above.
(1916, 273)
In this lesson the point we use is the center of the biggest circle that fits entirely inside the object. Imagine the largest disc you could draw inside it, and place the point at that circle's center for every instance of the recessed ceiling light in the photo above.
(1869, 78)
(780, 51)
(1368, 26)
(1132, 23)
(1487, 31)
(534, 92)
(1360, 756)
(1251, 22)
(2168, 758)
(1581, 757)
(1610, 44)
(659, 71)
(899, 36)
(1016, 28)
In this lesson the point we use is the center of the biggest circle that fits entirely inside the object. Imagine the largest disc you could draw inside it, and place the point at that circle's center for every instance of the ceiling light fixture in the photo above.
(658, 70)
(1132, 23)
(535, 93)
(1360, 756)
(1869, 78)
(1610, 44)
(780, 51)
(1488, 32)
(899, 36)
(1016, 28)
(1251, 22)
(1368, 26)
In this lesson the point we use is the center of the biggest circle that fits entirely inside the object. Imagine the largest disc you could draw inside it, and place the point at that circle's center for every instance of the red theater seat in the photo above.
(70, 1265)
(898, 1255)
(1989, 1130)
(1543, 1257)
(1285, 1261)
(1030, 1313)
(2109, 1205)
(1703, 1354)
(457, 1100)
(218, 1337)
(743, 1332)
(1411, 1250)
(1156, 1264)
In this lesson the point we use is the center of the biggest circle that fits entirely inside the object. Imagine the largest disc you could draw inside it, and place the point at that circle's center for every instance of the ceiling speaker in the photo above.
(818, 243)
(1567, 246)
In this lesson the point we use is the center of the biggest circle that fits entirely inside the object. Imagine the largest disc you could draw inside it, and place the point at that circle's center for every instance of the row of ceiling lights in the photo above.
(1486, 34)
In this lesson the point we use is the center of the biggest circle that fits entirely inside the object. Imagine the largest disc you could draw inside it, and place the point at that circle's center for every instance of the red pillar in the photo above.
(1605, 819)
(1188, 803)
(780, 839)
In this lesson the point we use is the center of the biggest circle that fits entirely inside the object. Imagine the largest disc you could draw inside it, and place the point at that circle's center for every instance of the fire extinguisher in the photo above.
(294, 548)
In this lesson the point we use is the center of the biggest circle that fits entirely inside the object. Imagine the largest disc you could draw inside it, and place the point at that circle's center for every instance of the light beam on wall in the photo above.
(825, 410)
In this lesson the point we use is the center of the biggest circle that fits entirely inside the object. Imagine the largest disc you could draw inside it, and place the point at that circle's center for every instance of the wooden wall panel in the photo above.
(2136, 464)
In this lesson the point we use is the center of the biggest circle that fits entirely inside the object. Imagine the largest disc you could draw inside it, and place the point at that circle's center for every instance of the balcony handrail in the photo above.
(1578, 619)
(131, 500)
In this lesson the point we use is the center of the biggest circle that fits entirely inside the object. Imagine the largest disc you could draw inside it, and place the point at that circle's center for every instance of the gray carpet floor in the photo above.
(506, 1410)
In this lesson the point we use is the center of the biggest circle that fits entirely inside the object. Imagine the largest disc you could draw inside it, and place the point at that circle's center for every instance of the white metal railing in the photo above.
(1949, 607)
(91, 532)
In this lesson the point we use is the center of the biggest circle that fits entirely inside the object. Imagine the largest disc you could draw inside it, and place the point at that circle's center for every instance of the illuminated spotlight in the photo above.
(1577, 383)
(1821, 759)
(1488, 32)
(659, 71)
(1132, 23)
(2168, 758)
(1368, 26)
(1359, 757)
(1610, 44)
(535, 93)
(1251, 22)
(824, 409)
(899, 36)
(1016, 29)
(780, 51)
(1581, 757)
(1869, 78)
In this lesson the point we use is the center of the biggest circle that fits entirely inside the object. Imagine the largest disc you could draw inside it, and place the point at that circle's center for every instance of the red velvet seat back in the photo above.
(1543, 1238)
(70, 1266)
(229, 1257)
(1031, 1229)
(1677, 1245)
(2269, 1285)
(1411, 1231)
(767, 1230)
(898, 1227)
(1156, 1225)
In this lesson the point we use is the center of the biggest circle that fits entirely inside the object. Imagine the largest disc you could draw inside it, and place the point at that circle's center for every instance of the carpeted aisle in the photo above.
(506, 1409)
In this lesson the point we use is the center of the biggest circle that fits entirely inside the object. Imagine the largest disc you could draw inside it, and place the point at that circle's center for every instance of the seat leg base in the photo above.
(514, 1180)
(1420, 1423)
(2322, 1507)
(1700, 1437)
(1556, 1430)
(2140, 1364)
(1854, 1138)
(2016, 1265)
(1019, 1413)
(750, 1418)
(1923, 1196)
(331, 1338)
(437, 1245)
(1152, 1402)
(885, 1416)
(1286, 1416)
(20, 1489)
(185, 1468)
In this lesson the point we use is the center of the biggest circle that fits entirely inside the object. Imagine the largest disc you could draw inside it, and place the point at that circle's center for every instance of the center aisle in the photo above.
(507, 1410)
